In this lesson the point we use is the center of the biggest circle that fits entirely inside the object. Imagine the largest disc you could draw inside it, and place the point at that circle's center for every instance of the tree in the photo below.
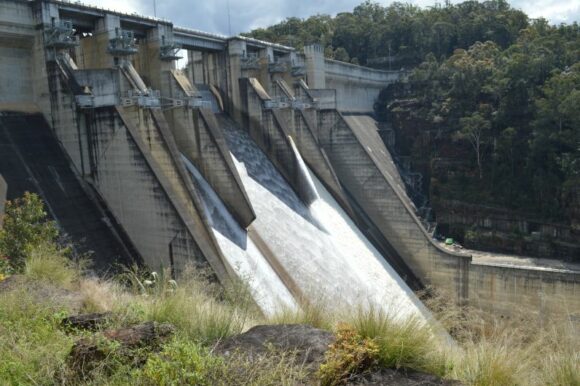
(25, 227)
(341, 54)
(476, 130)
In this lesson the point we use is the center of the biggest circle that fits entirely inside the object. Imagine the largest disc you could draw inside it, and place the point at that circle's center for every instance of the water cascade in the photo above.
(317, 249)
(240, 251)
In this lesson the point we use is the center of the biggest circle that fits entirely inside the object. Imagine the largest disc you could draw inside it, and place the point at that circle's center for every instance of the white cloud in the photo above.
(127, 6)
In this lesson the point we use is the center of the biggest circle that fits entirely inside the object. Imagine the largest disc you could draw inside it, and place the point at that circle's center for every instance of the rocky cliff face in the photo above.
(464, 206)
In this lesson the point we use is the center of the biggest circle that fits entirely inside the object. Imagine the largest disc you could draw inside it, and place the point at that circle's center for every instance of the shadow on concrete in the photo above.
(32, 160)
(261, 170)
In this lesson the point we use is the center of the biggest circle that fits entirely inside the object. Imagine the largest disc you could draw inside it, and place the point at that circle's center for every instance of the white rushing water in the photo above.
(319, 247)
(239, 250)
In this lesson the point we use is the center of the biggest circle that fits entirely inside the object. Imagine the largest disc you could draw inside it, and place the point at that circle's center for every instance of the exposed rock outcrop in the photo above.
(87, 353)
(308, 343)
(401, 377)
(87, 321)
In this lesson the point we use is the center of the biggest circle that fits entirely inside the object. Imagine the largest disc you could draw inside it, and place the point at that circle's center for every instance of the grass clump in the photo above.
(562, 370)
(193, 305)
(274, 368)
(34, 348)
(402, 343)
(49, 263)
(315, 314)
(489, 363)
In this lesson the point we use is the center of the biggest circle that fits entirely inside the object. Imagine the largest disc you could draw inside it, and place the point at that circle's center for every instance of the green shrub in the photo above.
(181, 362)
(350, 354)
(25, 227)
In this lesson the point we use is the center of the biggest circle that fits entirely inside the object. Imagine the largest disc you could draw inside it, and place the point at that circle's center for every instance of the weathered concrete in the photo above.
(152, 138)
(505, 290)
(359, 160)
(356, 87)
(198, 137)
(15, 74)
(3, 191)
(16, 39)
(32, 160)
(268, 129)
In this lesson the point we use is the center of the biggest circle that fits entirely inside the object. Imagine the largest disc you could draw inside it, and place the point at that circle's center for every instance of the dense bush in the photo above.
(25, 227)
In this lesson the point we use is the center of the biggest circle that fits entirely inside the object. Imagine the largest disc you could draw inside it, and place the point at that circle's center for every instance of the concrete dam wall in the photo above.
(356, 87)
(249, 160)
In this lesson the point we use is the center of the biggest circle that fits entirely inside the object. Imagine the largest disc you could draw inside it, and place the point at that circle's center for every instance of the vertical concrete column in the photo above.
(214, 66)
(93, 50)
(285, 75)
(314, 55)
(149, 62)
(236, 49)
(266, 57)
(44, 14)
(195, 67)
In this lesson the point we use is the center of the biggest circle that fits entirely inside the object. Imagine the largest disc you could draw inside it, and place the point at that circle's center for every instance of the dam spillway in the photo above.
(317, 248)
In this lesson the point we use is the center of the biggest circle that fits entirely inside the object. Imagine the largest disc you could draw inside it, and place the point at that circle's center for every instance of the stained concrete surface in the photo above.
(3, 191)
(31, 160)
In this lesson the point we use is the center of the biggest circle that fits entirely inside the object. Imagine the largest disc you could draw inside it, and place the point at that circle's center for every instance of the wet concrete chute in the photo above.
(256, 160)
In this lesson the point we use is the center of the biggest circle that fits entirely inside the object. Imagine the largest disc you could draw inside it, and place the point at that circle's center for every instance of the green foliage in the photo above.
(506, 112)
(34, 348)
(181, 362)
(349, 355)
(25, 227)
(400, 34)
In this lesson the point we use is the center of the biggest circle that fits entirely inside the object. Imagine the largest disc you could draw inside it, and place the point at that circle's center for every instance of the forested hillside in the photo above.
(489, 115)
(400, 35)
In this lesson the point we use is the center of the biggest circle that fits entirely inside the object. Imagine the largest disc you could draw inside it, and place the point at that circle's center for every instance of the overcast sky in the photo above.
(212, 15)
